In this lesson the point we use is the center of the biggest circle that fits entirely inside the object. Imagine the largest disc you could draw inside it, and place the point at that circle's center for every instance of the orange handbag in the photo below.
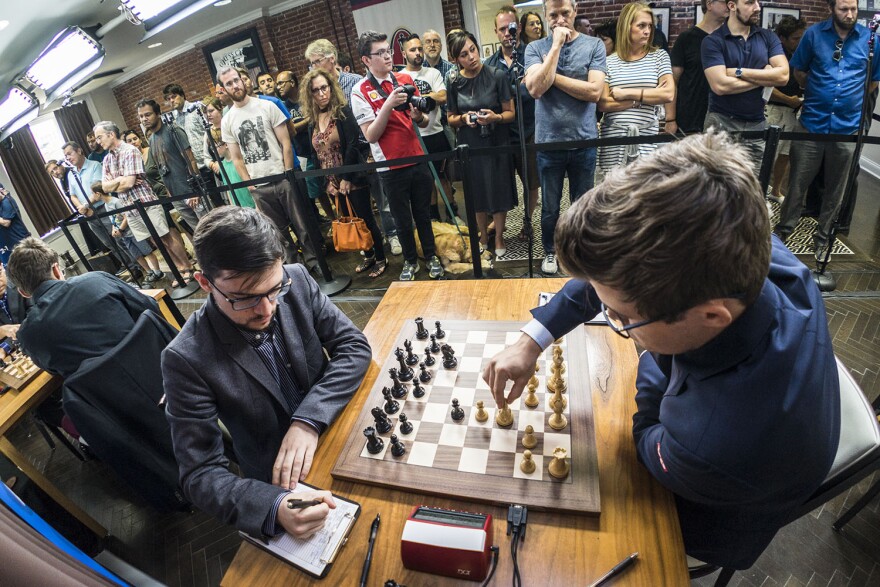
(350, 233)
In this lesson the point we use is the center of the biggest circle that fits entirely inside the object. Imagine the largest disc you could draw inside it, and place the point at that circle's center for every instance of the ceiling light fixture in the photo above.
(158, 15)
(154, 45)
(70, 57)
(5, 23)
(222, 3)
(18, 109)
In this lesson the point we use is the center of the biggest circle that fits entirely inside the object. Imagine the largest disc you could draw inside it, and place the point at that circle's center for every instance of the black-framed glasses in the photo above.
(619, 326)
(838, 50)
(321, 89)
(248, 302)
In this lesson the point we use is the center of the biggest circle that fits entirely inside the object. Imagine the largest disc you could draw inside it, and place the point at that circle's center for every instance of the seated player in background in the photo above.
(254, 357)
(737, 397)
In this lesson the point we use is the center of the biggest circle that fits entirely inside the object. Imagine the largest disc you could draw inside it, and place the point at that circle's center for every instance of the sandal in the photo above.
(365, 264)
(379, 269)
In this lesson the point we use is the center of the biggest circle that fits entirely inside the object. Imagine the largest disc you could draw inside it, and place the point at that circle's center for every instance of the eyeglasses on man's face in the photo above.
(621, 325)
(248, 302)
(316, 62)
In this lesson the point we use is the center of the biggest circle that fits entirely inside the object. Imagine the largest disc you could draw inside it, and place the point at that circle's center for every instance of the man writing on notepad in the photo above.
(737, 396)
(270, 357)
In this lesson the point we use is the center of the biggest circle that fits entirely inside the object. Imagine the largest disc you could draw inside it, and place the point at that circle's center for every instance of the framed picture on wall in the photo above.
(771, 15)
(698, 13)
(497, 47)
(661, 20)
(488, 49)
(239, 50)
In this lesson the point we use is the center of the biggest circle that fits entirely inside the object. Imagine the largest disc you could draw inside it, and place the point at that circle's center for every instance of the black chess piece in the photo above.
(374, 443)
(457, 411)
(425, 375)
(411, 357)
(435, 347)
(439, 332)
(418, 391)
(391, 406)
(397, 448)
(429, 358)
(405, 373)
(405, 426)
(449, 360)
(421, 331)
(383, 422)
(398, 390)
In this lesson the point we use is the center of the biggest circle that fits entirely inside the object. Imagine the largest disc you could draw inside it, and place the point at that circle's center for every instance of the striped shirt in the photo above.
(642, 73)
(347, 81)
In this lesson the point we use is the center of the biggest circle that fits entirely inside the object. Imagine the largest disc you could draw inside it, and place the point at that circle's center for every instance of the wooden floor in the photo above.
(195, 550)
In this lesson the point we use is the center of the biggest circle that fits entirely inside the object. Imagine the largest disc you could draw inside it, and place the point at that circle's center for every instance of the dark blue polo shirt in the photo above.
(723, 48)
(528, 103)
(834, 92)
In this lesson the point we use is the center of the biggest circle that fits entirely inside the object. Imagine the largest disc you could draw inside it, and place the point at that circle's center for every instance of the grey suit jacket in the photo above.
(210, 372)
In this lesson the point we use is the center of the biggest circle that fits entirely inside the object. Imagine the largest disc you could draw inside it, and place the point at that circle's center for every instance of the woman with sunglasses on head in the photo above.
(532, 27)
(335, 141)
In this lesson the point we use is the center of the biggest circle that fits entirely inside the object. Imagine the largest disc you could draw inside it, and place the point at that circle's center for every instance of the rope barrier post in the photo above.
(75, 246)
(771, 145)
(130, 264)
(463, 155)
(177, 293)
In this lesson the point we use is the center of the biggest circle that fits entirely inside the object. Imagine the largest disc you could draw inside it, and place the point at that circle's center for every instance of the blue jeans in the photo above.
(580, 165)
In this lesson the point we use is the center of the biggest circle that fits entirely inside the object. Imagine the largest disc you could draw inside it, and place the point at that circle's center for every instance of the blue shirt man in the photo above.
(565, 73)
(89, 173)
(12, 228)
(830, 63)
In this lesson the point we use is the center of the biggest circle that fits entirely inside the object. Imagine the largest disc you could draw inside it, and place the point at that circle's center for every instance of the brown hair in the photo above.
(455, 42)
(673, 230)
(30, 264)
(307, 99)
(214, 102)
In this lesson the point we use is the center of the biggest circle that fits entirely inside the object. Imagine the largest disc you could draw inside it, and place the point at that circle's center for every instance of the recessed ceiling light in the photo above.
(222, 2)
(154, 45)
(5, 23)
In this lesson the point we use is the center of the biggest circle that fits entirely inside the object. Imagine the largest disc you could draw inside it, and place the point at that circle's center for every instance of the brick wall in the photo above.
(283, 37)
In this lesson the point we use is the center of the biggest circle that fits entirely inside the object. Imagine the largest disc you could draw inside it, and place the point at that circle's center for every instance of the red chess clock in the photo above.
(447, 542)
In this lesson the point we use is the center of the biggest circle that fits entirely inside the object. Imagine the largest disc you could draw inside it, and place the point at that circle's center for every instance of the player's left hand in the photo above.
(294, 458)
(515, 363)
(9, 330)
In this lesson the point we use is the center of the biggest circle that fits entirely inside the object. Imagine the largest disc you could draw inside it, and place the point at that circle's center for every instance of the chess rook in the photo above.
(374, 443)
(421, 331)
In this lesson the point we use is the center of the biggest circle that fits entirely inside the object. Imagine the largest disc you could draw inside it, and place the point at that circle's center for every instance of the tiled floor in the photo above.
(195, 550)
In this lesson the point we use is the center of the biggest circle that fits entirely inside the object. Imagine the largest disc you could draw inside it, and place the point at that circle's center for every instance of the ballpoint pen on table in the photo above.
(618, 568)
(369, 558)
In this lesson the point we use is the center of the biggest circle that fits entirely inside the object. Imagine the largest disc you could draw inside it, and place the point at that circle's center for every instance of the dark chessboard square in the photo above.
(483, 395)
(537, 450)
(413, 409)
(447, 457)
(496, 337)
(441, 395)
(478, 437)
(429, 432)
(472, 350)
(454, 336)
(501, 464)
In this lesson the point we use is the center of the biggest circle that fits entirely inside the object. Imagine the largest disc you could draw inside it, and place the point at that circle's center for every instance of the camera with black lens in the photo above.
(421, 103)
(511, 28)
(472, 118)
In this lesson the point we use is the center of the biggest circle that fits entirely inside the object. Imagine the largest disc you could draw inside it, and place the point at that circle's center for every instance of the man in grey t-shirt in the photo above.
(565, 73)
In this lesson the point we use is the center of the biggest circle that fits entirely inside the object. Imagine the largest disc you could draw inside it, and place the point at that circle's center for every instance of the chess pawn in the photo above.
(391, 405)
(429, 358)
(411, 358)
(527, 465)
(504, 417)
(482, 415)
(557, 421)
(425, 375)
(457, 411)
(529, 441)
(397, 447)
(531, 400)
(439, 333)
(435, 346)
(417, 390)
(559, 466)
(405, 426)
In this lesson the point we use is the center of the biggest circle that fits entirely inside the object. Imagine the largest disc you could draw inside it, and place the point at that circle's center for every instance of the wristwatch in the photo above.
(738, 72)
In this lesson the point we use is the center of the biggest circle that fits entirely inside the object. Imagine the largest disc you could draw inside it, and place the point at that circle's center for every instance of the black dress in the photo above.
(492, 176)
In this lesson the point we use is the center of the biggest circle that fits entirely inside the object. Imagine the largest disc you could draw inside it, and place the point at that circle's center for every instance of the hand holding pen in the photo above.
(303, 514)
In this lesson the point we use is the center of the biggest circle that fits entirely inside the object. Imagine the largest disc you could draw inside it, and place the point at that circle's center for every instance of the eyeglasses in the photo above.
(382, 53)
(315, 63)
(321, 89)
(619, 326)
(838, 50)
(283, 81)
(431, 42)
(248, 302)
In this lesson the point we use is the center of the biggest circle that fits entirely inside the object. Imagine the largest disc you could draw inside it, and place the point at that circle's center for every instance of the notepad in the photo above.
(316, 554)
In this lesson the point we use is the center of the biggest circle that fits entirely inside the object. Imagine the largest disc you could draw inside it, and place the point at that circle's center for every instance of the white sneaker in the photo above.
(549, 266)
(396, 249)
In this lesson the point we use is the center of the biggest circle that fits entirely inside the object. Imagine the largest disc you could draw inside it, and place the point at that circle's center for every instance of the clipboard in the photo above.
(315, 555)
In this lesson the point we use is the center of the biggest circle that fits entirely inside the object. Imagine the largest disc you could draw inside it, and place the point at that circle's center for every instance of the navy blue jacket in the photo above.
(744, 429)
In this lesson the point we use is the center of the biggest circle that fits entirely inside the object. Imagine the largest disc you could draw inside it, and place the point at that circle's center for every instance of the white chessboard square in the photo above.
(409, 436)
(512, 337)
(444, 378)
(489, 423)
(473, 460)
(464, 396)
(458, 347)
(490, 350)
(481, 383)
(453, 434)
(422, 454)
(537, 474)
(380, 455)
(470, 364)
(476, 337)
(554, 440)
(435, 413)
(503, 440)
(535, 418)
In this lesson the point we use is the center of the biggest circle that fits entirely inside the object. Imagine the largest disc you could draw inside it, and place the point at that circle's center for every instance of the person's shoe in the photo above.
(821, 250)
(409, 271)
(435, 268)
(394, 242)
(499, 253)
(157, 275)
(549, 266)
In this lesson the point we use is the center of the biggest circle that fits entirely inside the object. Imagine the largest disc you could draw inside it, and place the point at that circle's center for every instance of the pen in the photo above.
(618, 569)
(298, 504)
(369, 559)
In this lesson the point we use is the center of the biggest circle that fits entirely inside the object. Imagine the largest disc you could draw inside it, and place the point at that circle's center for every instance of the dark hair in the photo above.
(236, 240)
(455, 42)
(412, 37)
(148, 103)
(30, 264)
(607, 29)
(129, 131)
(524, 19)
(262, 73)
(343, 61)
(366, 40)
(74, 144)
(670, 231)
(173, 89)
(789, 25)
(98, 188)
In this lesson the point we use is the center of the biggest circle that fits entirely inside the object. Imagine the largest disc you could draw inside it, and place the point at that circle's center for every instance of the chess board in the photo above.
(19, 371)
(480, 461)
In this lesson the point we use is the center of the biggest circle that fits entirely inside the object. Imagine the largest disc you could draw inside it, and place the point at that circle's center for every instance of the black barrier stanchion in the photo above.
(463, 155)
(771, 145)
(75, 246)
(177, 293)
(330, 286)
(527, 209)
